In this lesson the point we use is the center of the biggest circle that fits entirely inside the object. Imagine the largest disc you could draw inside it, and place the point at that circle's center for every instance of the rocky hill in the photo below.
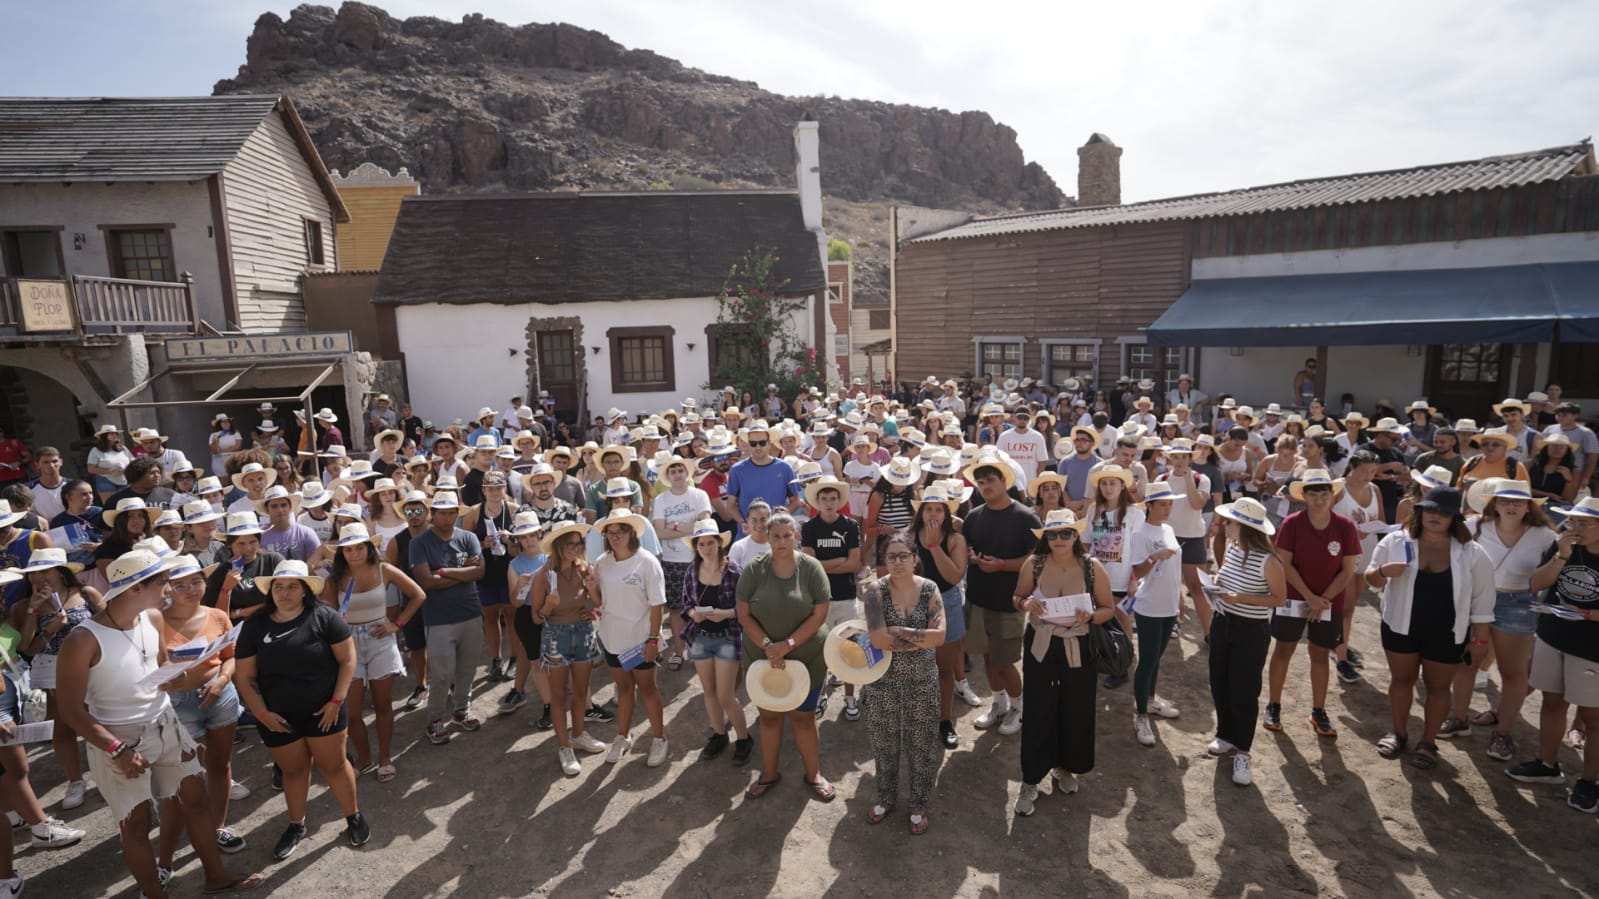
(480, 105)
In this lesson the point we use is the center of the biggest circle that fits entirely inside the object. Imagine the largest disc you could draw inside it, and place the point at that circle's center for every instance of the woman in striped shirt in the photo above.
(1250, 584)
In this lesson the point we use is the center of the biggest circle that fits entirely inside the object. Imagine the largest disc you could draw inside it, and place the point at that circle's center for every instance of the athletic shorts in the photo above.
(616, 662)
(529, 632)
(1326, 634)
(1432, 647)
(302, 724)
(491, 595)
(415, 633)
(1194, 550)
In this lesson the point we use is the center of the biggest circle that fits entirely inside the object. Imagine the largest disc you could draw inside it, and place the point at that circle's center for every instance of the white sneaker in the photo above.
(991, 717)
(1480, 682)
(1162, 708)
(238, 790)
(964, 692)
(52, 833)
(1065, 781)
(657, 756)
(619, 748)
(1025, 798)
(569, 763)
(16, 820)
(1219, 746)
(11, 886)
(1012, 723)
(588, 743)
(1145, 731)
(1241, 773)
(76, 789)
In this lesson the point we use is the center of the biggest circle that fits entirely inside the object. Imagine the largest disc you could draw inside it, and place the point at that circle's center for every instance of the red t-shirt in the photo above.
(1318, 555)
(712, 484)
(11, 452)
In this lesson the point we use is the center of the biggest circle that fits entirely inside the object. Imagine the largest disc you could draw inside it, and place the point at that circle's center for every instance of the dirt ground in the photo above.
(491, 815)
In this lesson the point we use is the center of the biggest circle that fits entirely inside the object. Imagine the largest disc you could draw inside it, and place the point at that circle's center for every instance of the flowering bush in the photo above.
(758, 340)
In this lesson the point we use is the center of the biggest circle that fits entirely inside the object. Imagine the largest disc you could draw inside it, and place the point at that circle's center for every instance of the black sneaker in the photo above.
(1112, 681)
(946, 732)
(1322, 724)
(1536, 772)
(599, 713)
(356, 828)
(228, 841)
(494, 669)
(1584, 796)
(545, 722)
(1274, 717)
(289, 842)
(1347, 672)
(741, 751)
(277, 778)
(714, 746)
(1355, 658)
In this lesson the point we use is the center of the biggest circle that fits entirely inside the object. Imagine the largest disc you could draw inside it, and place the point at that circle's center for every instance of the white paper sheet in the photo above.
(1298, 608)
(1376, 527)
(37, 732)
(1064, 609)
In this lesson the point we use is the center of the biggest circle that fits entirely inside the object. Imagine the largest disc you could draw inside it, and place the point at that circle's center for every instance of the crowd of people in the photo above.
(858, 548)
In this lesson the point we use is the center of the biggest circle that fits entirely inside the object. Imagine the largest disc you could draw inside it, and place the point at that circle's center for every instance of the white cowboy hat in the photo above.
(129, 570)
(313, 494)
(611, 414)
(777, 689)
(526, 523)
(348, 510)
(1249, 513)
(940, 462)
(1388, 426)
(140, 435)
(241, 524)
(560, 530)
(1496, 434)
(444, 499)
(294, 570)
(387, 433)
(355, 532)
(1466, 426)
(275, 492)
(617, 487)
(185, 565)
(828, 482)
(199, 512)
(805, 471)
(326, 415)
(1512, 403)
(1421, 406)
(1313, 477)
(414, 496)
(902, 471)
(1048, 477)
(48, 557)
(990, 458)
(109, 516)
(935, 494)
(166, 519)
(157, 546)
(208, 486)
(486, 442)
(954, 488)
(1158, 491)
(1180, 446)
(624, 517)
(846, 658)
(1434, 477)
(1109, 470)
(251, 468)
(1587, 507)
(539, 470)
(8, 517)
(1356, 417)
(706, 527)
(1061, 520)
(334, 451)
(103, 430)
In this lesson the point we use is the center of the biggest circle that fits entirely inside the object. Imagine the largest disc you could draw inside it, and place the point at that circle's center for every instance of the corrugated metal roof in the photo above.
(124, 139)
(1495, 171)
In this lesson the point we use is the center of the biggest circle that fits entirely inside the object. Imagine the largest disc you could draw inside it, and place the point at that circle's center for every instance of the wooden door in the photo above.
(558, 372)
(1466, 379)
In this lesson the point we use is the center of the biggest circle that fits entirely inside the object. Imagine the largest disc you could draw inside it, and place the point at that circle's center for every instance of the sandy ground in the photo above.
(491, 815)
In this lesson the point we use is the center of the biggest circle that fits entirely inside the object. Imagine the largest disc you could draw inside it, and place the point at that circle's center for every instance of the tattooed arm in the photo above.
(873, 596)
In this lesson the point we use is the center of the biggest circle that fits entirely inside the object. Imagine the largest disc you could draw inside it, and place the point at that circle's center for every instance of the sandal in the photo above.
(1576, 738)
(237, 885)
(386, 773)
(758, 789)
(1391, 746)
(674, 663)
(878, 813)
(1485, 718)
(823, 790)
(919, 822)
(1425, 756)
(367, 768)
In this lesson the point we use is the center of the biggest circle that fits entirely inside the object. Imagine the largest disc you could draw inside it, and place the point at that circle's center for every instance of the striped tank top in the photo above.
(1244, 572)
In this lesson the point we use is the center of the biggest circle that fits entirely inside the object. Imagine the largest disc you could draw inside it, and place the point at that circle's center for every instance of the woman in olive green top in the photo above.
(782, 607)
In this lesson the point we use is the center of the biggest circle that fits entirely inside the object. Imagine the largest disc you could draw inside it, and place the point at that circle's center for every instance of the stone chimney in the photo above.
(1099, 172)
(808, 170)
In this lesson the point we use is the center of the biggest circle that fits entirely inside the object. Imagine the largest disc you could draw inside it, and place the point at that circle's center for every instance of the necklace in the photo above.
(144, 654)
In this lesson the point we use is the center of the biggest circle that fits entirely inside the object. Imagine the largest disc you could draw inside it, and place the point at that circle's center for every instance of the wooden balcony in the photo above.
(98, 306)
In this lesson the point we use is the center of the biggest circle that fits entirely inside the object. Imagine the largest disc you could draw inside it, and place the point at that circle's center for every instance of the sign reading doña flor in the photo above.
(45, 305)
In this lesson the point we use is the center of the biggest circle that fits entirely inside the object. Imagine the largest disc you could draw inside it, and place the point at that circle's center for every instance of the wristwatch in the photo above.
(765, 642)
(791, 643)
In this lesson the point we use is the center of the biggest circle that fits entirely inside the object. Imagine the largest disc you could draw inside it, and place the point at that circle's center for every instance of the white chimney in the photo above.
(808, 171)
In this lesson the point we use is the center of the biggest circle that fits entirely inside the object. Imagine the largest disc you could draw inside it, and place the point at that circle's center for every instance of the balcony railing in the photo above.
(109, 306)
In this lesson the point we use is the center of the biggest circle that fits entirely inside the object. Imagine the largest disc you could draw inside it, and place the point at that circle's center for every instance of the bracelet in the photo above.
(791, 643)
(336, 700)
(652, 639)
(115, 749)
(1479, 642)
(1562, 558)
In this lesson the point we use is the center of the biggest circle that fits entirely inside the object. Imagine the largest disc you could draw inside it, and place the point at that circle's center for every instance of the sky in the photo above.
(1201, 96)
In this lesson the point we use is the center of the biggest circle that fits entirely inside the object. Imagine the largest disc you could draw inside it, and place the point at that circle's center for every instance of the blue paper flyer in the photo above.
(873, 654)
(632, 658)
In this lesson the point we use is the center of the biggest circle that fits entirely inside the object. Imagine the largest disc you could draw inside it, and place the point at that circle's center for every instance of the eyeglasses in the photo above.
(898, 557)
(757, 442)
(186, 585)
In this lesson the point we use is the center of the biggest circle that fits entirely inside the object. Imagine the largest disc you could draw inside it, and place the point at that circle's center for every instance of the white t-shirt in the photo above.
(1107, 539)
(1187, 521)
(1160, 590)
(1513, 567)
(1026, 447)
(669, 507)
(745, 550)
(322, 526)
(627, 591)
(861, 477)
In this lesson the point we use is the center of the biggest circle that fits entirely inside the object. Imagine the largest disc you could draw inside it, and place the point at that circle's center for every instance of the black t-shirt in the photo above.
(1576, 586)
(833, 540)
(294, 661)
(159, 498)
(1006, 534)
(412, 429)
(246, 594)
(472, 488)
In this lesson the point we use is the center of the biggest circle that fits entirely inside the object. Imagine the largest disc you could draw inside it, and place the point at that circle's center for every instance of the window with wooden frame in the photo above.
(1159, 364)
(877, 319)
(726, 355)
(999, 359)
(1575, 367)
(641, 359)
(314, 254)
(1069, 360)
(142, 254)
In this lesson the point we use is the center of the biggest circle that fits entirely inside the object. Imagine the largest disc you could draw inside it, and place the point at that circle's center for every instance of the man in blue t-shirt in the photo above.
(761, 476)
(447, 562)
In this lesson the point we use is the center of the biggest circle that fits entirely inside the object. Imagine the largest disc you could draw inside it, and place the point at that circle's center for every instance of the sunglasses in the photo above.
(1062, 535)
(757, 442)
(415, 513)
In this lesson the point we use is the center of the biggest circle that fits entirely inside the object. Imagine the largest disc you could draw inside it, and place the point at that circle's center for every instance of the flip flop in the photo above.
(920, 822)
(823, 790)
(674, 663)
(240, 885)
(877, 813)
(1484, 718)
(758, 789)
(386, 773)
(368, 768)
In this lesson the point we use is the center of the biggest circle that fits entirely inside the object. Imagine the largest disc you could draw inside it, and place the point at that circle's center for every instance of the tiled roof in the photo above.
(572, 247)
(1495, 171)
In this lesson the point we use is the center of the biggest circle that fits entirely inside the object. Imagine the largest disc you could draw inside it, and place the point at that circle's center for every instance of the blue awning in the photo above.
(1506, 304)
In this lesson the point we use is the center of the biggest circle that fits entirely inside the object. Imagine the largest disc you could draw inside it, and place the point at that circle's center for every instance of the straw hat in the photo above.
(826, 482)
(623, 450)
(777, 689)
(1512, 403)
(46, 558)
(294, 570)
(1466, 425)
(348, 510)
(168, 518)
(1061, 520)
(254, 468)
(990, 458)
(8, 517)
(1311, 478)
(1249, 513)
(1273, 409)
(526, 523)
(1356, 418)
(356, 532)
(105, 429)
(414, 496)
(208, 486)
(1496, 435)
(1144, 403)
(706, 527)
(1505, 488)
(326, 416)
(539, 470)
(564, 451)
(1420, 406)
(617, 487)
(1434, 477)
(131, 569)
(1048, 477)
(1587, 507)
(902, 471)
(624, 517)
(1158, 491)
(846, 658)
(385, 485)
(555, 533)
(1390, 426)
(937, 495)
(109, 516)
(1130, 429)
(958, 491)
(156, 545)
(276, 492)
(242, 524)
(940, 462)
(184, 465)
(199, 512)
(1180, 446)
(445, 500)
(185, 565)
(1109, 470)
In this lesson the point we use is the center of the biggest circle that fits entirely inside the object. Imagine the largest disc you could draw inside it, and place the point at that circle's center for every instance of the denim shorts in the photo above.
(714, 646)
(573, 643)
(9, 712)
(1513, 612)
(954, 615)
(222, 713)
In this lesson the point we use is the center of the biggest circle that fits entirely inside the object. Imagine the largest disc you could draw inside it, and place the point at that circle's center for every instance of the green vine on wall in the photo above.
(758, 340)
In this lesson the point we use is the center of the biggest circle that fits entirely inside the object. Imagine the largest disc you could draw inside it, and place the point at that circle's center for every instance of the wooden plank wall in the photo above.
(1096, 282)
(270, 192)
